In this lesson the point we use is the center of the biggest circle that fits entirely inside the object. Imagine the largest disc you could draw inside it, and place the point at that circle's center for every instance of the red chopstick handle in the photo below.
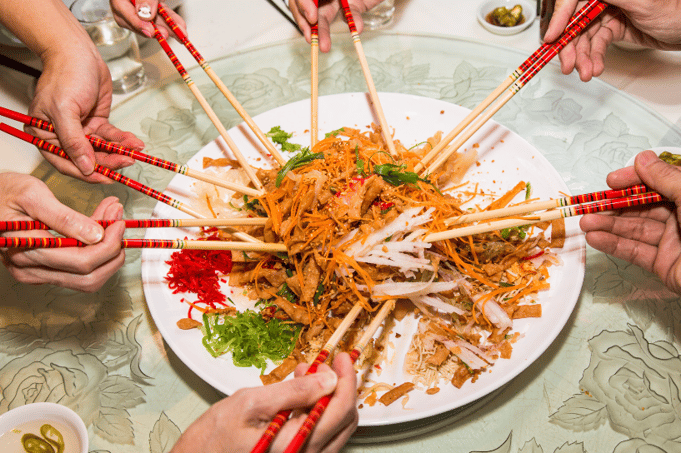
(25, 225)
(618, 203)
(34, 243)
(348, 17)
(282, 416)
(181, 36)
(565, 38)
(316, 413)
(604, 195)
(173, 58)
(574, 21)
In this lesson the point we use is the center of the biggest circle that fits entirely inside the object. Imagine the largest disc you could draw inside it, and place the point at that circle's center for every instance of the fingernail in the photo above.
(93, 234)
(144, 11)
(328, 381)
(119, 213)
(146, 33)
(85, 165)
(646, 157)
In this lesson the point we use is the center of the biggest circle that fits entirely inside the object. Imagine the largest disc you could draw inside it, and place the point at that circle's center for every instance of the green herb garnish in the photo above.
(396, 174)
(334, 133)
(281, 137)
(360, 162)
(528, 191)
(287, 294)
(249, 338)
(302, 158)
(519, 231)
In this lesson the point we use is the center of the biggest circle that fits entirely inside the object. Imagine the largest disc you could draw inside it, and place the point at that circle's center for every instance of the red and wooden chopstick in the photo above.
(314, 82)
(319, 408)
(221, 86)
(25, 225)
(510, 86)
(118, 149)
(385, 129)
(569, 211)
(57, 242)
(207, 108)
(282, 416)
(42, 144)
(547, 204)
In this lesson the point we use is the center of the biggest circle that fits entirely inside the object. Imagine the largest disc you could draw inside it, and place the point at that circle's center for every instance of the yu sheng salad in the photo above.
(353, 219)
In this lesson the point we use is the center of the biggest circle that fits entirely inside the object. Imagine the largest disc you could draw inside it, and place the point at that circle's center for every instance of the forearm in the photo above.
(47, 27)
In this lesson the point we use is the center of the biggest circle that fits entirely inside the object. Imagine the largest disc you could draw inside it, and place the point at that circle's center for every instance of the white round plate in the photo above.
(529, 11)
(658, 151)
(505, 159)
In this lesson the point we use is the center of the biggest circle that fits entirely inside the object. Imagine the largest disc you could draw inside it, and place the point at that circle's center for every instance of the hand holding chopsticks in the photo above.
(114, 147)
(502, 94)
(319, 408)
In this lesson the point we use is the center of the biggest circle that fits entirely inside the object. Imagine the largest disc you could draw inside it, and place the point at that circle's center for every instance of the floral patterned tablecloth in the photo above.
(609, 383)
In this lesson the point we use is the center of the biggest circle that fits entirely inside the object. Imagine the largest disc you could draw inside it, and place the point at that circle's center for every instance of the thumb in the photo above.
(72, 139)
(659, 175)
(42, 205)
(299, 392)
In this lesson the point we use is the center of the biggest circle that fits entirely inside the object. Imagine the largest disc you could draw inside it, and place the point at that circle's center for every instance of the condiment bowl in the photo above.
(49, 413)
(529, 13)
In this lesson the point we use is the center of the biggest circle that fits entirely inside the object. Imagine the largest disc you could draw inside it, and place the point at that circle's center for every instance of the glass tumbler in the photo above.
(117, 46)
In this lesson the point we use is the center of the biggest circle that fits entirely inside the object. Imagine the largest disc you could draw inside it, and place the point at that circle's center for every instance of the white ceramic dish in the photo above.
(529, 12)
(658, 151)
(49, 413)
(505, 159)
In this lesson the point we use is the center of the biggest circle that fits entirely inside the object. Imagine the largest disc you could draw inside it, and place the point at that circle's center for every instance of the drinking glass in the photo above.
(117, 46)
(379, 16)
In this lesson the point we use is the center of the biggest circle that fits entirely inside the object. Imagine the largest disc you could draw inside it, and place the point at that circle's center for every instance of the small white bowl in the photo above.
(658, 151)
(529, 11)
(47, 412)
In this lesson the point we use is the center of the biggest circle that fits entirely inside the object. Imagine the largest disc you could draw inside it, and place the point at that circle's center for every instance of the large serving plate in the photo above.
(505, 158)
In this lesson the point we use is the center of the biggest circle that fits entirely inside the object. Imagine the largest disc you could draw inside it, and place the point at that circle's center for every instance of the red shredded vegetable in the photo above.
(199, 272)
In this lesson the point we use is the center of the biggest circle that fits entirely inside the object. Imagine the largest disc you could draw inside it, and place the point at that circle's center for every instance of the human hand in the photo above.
(649, 23)
(307, 14)
(139, 15)
(648, 236)
(75, 96)
(236, 423)
(80, 268)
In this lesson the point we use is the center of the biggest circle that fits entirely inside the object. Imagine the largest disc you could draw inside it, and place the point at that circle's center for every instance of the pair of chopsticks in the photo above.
(508, 88)
(319, 408)
(204, 103)
(116, 148)
(57, 242)
(42, 144)
(179, 244)
(607, 200)
(24, 225)
(373, 94)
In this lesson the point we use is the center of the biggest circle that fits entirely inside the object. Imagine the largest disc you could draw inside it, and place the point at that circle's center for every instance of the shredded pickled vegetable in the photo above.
(250, 339)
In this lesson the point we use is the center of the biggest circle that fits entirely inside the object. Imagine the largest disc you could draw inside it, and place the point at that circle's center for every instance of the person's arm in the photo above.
(650, 23)
(648, 236)
(138, 17)
(306, 14)
(74, 91)
(236, 423)
(81, 268)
